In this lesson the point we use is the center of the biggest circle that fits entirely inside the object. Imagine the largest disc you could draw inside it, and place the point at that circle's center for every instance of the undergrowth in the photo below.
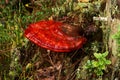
(22, 60)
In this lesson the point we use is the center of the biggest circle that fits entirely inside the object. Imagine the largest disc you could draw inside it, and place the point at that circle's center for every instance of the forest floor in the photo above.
(98, 59)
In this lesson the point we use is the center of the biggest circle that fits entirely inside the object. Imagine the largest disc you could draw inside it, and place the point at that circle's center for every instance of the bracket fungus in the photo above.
(54, 36)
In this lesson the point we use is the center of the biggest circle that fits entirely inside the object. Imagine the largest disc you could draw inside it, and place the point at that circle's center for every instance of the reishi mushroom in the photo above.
(55, 36)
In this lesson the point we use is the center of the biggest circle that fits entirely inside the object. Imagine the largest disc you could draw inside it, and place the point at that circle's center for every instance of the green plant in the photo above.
(98, 65)
(11, 37)
(117, 37)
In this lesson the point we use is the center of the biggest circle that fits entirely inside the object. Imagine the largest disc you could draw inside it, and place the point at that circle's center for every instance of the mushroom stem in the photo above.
(48, 52)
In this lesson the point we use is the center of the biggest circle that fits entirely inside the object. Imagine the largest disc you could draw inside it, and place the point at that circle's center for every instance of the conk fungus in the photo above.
(55, 36)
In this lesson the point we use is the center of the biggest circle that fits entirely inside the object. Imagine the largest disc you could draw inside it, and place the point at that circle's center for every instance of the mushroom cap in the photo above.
(54, 35)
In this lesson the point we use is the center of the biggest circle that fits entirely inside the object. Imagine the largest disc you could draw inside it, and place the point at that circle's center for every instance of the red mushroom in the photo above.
(54, 36)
